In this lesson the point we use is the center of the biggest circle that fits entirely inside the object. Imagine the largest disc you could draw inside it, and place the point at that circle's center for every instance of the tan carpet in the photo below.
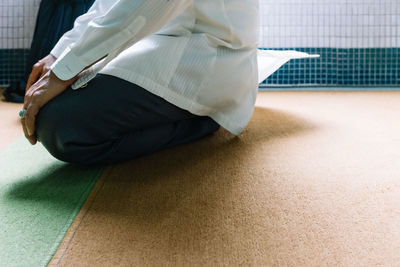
(10, 128)
(313, 181)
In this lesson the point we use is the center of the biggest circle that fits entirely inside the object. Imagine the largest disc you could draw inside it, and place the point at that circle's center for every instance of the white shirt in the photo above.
(200, 55)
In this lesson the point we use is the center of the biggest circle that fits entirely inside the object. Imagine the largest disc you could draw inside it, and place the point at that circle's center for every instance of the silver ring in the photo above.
(22, 113)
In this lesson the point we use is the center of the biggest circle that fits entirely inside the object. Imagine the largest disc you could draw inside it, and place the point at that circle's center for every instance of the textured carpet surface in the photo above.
(39, 199)
(10, 128)
(313, 181)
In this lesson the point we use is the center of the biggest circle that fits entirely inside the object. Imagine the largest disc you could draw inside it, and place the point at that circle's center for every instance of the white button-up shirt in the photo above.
(200, 55)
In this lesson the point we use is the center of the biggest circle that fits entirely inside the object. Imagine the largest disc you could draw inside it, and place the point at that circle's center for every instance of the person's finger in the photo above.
(30, 117)
(31, 139)
(34, 76)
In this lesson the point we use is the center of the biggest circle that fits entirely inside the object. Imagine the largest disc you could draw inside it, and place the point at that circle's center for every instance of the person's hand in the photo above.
(40, 69)
(38, 94)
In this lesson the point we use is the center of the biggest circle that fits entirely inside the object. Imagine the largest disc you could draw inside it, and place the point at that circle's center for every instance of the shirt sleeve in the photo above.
(106, 27)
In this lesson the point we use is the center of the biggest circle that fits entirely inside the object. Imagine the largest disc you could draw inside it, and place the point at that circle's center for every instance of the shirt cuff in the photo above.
(68, 65)
(59, 48)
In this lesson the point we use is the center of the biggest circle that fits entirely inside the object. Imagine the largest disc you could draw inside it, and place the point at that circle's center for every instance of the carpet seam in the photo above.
(62, 232)
(102, 180)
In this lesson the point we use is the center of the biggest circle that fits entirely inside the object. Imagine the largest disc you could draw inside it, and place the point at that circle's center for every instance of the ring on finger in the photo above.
(22, 113)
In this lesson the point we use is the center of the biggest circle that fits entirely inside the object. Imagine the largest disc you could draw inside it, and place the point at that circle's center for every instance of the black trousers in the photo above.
(113, 120)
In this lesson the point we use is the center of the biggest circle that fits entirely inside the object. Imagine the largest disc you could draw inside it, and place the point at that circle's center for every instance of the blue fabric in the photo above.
(113, 120)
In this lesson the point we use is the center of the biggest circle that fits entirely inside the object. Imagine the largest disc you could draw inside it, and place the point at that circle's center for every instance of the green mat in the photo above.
(39, 199)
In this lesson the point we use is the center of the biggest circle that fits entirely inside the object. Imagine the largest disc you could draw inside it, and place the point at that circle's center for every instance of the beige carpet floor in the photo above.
(314, 180)
(10, 128)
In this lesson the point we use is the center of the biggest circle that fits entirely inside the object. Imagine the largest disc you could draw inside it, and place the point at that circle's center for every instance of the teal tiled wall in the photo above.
(12, 65)
(336, 67)
(340, 67)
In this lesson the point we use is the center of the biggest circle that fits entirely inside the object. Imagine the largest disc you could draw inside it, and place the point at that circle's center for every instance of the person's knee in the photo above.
(59, 133)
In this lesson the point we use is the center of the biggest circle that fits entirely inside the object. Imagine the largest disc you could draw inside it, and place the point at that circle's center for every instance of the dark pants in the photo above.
(114, 120)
